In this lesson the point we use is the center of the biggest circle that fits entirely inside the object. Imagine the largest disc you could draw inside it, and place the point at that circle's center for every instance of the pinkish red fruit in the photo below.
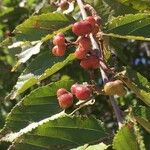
(82, 28)
(82, 92)
(59, 39)
(65, 100)
(73, 88)
(91, 62)
(80, 53)
(61, 91)
(91, 20)
(85, 43)
(59, 50)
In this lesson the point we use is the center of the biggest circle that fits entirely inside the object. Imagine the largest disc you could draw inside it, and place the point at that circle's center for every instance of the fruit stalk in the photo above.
(103, 74)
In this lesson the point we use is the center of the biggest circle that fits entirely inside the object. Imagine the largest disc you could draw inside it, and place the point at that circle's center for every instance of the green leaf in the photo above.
(141, 5)
(44, 66)
(125, 139)
(61, 133)
(100, 146)
(130, 27)
(37, 27)
(138, 84)
(39, 104)
(142, 115)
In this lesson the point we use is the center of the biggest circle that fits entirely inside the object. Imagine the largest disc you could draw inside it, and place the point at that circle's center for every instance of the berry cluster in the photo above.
(88, 60)
(60, 45)
(80, 91)
(84, 51)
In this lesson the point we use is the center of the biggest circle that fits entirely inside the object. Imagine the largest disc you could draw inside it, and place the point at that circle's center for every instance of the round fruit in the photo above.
(73, 88)
(114, 88)
(91, 20)
(85, 63)
(80, 53)
(92, 62)
(65, 100)
(61, 91)
(64, 5)
(59, 50)
(82, 92)
(59, 39)
(95, 29)
(82, 28)
(85, 43)
(120, 88)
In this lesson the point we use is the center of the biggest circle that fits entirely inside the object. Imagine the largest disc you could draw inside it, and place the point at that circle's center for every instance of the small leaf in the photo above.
(137, 83)
(142, 115)
(37, 27)
(39, 104)
(132, 26)
(61, 133)
(125, 139)
(41, 68)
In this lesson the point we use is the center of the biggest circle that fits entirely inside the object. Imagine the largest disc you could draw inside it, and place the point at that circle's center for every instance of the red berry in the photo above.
(59, 50)
(80, 53)
(73, 88)
(64, 5)
(61, 91)
(91, 62)
(82, 92)
(95, 29)
(85, 63)
(85, 43)
(82, 28)
(65, 100)
(91, 20)
(94, 62)
(59, 39)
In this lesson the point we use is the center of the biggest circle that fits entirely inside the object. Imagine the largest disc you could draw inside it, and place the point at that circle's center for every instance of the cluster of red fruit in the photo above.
(60, 45)
(83, 52)
(65, 98)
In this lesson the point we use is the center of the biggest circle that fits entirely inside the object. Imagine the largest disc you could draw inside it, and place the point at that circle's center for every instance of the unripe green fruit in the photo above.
(114, 88)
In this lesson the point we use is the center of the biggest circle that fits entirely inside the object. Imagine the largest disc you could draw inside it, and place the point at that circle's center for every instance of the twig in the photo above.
(103, 74)
(117, 111)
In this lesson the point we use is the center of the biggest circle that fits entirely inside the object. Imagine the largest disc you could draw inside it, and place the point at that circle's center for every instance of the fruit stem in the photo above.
(117, 111)
(103, 74)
